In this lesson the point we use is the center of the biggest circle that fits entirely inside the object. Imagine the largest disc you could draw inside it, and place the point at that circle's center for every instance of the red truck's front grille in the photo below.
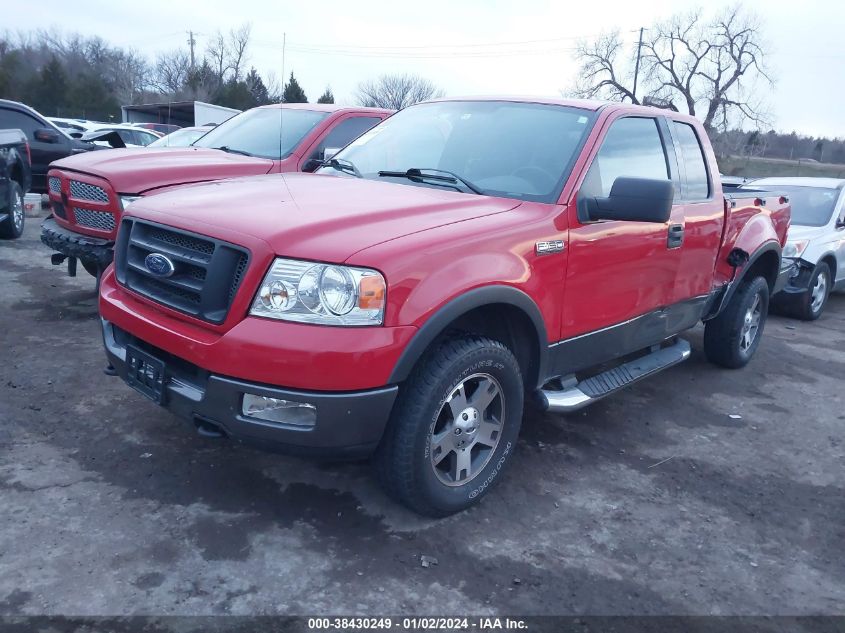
(205, 274)
(84, 203)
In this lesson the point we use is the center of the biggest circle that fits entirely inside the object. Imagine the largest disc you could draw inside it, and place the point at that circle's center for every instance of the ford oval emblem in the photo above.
(159, 265)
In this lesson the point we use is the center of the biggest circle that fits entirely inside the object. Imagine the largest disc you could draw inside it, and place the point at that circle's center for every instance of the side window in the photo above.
(19, 120)
(697, 186)
(344, 133)
(631, 148)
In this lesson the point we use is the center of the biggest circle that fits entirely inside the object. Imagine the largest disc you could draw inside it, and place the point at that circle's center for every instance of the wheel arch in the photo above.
(502, 312)
(765, 262)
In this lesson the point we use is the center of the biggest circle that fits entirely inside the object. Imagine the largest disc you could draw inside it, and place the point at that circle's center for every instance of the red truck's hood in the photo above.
(325, 218)
(134, 171)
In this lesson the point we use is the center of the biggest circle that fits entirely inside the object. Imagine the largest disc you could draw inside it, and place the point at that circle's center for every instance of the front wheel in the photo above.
(454, 427)
(12, 226)
(731, 338)
(815, 299)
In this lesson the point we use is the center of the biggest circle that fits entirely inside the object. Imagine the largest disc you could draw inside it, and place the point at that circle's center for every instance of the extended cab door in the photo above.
(702, 206)
(620, 271)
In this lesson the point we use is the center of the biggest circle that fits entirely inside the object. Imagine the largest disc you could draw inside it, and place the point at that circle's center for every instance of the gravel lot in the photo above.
(654, 501)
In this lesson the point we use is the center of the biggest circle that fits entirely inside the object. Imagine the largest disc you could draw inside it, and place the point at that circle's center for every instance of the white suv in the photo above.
(816, 242)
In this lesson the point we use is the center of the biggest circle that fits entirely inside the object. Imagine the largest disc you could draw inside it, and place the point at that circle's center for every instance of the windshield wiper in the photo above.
(230, 150)
(416, 173)
(341, 164)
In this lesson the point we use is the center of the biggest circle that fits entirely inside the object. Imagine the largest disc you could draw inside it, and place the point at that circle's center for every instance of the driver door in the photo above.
(621, 274)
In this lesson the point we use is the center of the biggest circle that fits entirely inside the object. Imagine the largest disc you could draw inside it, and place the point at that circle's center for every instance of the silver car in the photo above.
(816, 242)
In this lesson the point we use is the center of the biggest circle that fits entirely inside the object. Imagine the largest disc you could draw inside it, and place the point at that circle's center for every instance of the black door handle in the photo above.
(676, 236)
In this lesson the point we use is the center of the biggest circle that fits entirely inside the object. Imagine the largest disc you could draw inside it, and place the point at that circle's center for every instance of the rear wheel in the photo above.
(12, 226)
(454, 427)
(815, 299)
(731, 338)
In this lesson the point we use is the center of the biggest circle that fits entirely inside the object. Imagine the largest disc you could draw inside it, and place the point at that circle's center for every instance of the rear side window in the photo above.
(631, 148)
(697, 185)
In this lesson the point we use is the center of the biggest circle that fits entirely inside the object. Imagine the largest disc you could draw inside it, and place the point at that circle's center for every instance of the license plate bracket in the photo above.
(146, 374)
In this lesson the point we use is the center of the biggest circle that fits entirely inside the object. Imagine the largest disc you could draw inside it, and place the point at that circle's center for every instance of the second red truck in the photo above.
(456, 259)
(89, 192)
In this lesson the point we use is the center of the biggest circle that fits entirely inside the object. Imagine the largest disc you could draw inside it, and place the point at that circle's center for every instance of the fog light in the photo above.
(280, 411)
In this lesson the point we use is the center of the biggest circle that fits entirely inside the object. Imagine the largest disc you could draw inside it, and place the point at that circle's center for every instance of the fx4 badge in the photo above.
(547, 248)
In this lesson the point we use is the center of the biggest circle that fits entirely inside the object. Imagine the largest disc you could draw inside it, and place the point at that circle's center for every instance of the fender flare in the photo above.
(457, 307)
(769, 247)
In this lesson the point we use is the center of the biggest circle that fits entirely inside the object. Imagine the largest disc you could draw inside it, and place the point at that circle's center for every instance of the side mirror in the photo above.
(632, 200)
(46, 135)
(329, 152)
(840, 224)
(311, 164)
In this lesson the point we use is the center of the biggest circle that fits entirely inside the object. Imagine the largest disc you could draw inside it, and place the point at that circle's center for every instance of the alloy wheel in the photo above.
(751, 324)
(467, 429)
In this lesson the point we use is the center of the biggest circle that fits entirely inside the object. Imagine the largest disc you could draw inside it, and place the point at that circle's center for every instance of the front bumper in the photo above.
(94, 249)
(348, 424)
(788, 269)
(796, 284)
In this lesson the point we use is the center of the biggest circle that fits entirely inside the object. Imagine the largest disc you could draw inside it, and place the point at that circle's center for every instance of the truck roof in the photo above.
(592, 105)
(325, 107)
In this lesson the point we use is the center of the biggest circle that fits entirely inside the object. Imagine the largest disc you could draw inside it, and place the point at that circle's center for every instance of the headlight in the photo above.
(324, 294)
(125, 201)
(795, 249)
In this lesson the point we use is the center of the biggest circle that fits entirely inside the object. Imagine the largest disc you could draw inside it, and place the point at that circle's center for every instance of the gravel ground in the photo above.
(654, 501)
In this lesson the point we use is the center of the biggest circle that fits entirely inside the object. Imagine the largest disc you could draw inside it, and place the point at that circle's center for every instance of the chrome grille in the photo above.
(94, 219)
(84, 191)
(55, 184)
(206, 272)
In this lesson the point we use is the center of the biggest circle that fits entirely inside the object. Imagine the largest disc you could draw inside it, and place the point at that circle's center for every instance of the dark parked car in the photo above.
(46, 142)
(15, 177)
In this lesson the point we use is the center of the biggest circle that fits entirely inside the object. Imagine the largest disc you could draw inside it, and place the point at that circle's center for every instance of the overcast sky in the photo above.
(455, 44)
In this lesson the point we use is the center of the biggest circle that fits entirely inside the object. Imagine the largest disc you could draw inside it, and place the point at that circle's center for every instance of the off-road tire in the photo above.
(9, 228)
(403, 461)
(723, 334)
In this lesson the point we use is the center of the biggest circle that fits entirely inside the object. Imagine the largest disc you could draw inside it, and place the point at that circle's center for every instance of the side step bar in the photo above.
(597, 387)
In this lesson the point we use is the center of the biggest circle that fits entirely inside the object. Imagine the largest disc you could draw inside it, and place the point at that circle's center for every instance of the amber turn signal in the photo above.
(371, 293)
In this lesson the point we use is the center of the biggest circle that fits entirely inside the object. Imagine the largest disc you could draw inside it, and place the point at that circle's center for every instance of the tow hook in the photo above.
(58, 258)
(208, 429)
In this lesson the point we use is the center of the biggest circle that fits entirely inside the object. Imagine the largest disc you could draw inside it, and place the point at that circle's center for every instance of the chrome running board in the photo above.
(597, 387)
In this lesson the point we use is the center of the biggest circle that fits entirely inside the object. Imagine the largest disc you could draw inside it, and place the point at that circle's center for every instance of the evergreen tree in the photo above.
(48, 91)
(257, 89)
(326, 97)
(293, 92)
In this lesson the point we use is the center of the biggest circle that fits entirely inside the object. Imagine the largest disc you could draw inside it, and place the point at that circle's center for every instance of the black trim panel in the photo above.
(602, 346)
(459, 306)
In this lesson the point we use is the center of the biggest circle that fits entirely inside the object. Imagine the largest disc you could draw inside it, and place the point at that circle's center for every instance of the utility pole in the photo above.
(637, 67)
(191, 42)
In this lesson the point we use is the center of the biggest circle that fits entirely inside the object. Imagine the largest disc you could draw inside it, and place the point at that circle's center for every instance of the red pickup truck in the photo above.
(88, 192)
(455, 259)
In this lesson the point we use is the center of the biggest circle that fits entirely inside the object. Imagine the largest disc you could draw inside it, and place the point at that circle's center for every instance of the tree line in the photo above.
(75, 76)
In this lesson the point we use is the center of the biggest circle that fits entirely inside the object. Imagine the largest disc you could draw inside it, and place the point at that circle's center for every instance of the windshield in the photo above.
(256, 132)
(811, 206)
(179, 138)
(508, 149)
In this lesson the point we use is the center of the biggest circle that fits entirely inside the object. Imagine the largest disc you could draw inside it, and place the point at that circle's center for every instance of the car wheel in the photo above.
(454, 426)
(815, 299)
(731, 338)
(12, 226)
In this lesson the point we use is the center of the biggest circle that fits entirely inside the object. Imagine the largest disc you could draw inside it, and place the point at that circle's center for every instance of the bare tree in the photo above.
(396, 91)
(707, 69)
(217, 54)
(238, 43)
(602, 75)
(171, 71)
(226, 54)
